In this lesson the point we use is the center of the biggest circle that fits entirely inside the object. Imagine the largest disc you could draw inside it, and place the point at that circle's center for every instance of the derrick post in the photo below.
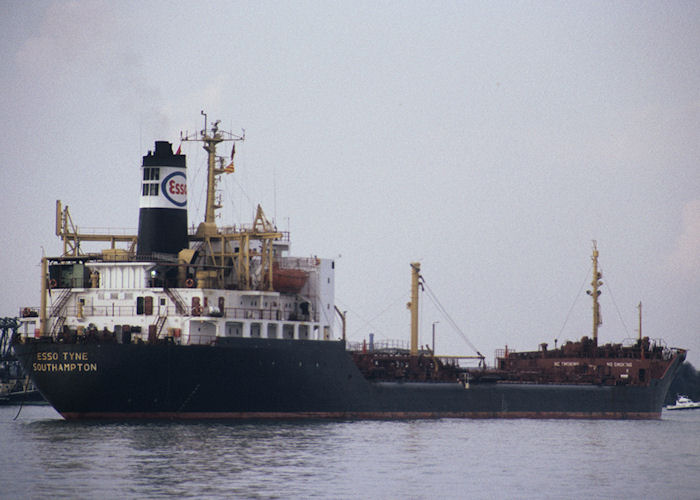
(595, 293)
(42, 306)
(415, 283)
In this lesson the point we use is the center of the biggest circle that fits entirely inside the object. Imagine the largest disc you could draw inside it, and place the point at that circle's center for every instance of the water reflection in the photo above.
(167, 458)
(330, 459)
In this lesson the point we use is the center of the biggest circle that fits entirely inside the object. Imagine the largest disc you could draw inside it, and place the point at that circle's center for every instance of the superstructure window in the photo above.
(151, 174)
(149, 189)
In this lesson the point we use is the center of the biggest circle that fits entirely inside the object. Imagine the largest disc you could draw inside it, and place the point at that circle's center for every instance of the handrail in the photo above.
(229, 312)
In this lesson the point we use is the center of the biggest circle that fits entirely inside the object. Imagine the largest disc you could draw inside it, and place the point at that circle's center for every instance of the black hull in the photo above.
(260, 378)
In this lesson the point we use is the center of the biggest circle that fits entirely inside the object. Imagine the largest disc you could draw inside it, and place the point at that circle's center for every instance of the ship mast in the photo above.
(413, 306)
(640, 320)
(232, 247)
(595, 293)
(211, 138)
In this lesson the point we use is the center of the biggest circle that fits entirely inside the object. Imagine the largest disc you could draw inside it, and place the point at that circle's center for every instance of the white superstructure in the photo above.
(236, 281)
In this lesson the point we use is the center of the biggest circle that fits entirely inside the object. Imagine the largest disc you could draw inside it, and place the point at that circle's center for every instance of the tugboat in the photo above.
(221, 322)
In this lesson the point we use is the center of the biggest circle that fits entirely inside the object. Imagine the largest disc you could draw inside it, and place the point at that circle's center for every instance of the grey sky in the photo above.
(492, 141)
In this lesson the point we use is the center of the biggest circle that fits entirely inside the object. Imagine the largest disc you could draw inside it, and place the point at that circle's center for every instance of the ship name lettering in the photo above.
(624, 364)
(64, 367)
(75, 356)
(47, 356)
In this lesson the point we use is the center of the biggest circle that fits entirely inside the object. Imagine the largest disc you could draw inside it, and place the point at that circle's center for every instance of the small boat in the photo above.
(20, 390)
(684, 403)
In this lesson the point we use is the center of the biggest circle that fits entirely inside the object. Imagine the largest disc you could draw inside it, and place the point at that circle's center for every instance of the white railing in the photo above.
(229, 312)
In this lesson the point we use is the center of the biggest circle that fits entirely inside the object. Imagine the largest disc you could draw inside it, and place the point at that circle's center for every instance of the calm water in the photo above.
(46, 457)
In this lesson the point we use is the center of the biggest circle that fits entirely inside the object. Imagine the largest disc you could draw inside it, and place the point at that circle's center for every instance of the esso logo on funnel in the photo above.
(174, 188)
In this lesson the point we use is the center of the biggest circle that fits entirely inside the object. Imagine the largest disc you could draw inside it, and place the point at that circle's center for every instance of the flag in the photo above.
(229, 168)
(179, 149)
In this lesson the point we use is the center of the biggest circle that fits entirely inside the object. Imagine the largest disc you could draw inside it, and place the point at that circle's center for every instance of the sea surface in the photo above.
(43, 456)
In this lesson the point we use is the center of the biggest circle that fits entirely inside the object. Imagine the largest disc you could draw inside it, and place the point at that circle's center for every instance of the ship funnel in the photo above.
(163, 202)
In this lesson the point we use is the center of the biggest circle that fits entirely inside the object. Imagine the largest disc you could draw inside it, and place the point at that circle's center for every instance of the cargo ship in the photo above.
(222, 322)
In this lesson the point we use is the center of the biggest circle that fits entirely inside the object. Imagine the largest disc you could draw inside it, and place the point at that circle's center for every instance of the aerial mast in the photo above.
(211, 138)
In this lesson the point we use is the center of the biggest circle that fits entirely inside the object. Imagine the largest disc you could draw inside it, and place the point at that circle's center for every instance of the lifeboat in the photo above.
(288, 280)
